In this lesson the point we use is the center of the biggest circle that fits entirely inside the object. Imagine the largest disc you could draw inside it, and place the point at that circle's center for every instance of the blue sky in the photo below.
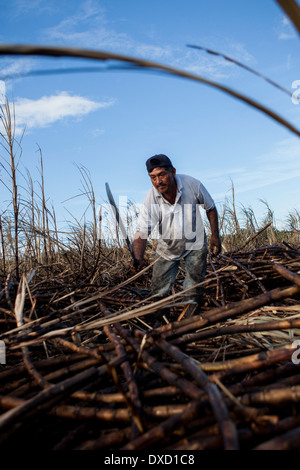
(110, 122)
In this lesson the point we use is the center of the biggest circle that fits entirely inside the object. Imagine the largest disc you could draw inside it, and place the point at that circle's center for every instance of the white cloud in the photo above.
(279, 165)
(24, 6)
(270, 177)
(215, 65)
(49, 109)
(286, 29)
(85, 30)
(97, 132)
(17, 67)
(86, 27)
(198, 63)
(2, 87)
(89, 27)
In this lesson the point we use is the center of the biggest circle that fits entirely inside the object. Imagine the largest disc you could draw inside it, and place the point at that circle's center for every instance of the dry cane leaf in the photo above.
(20, 300)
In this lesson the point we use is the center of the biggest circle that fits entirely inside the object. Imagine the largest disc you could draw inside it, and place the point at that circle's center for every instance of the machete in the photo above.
(120, 222)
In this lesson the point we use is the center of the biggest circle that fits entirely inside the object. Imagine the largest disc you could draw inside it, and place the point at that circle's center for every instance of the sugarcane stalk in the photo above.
(57, 374)
(108, 441)
(238, 329)
(287, 441)
(227, 426)
(47, 398)
(229, 311)
(161, 432)
(133, 399)
(252, 362)
(278, 397)
(220, 289)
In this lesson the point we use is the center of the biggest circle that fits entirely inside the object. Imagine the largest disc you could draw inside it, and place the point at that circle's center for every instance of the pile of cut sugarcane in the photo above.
(88, 367)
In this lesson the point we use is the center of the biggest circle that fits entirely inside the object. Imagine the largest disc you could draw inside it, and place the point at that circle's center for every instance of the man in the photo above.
(171, 206)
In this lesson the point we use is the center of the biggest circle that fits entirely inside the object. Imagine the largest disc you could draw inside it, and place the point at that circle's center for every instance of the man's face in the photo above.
(163, 179)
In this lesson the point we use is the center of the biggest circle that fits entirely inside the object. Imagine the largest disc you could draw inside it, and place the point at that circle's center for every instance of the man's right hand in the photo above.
(137, 265)
(139, 246)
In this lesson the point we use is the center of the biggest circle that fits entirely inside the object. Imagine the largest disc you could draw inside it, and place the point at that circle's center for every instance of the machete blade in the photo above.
(119, 220)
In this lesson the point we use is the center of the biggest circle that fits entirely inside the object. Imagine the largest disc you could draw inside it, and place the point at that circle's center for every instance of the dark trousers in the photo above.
(165, 272)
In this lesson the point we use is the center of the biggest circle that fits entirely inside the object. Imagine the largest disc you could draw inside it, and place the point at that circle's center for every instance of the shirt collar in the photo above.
(179, 183)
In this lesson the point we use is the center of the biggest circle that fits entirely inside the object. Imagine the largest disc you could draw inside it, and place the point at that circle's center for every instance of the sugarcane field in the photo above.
(85, 368)
(91, 358)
